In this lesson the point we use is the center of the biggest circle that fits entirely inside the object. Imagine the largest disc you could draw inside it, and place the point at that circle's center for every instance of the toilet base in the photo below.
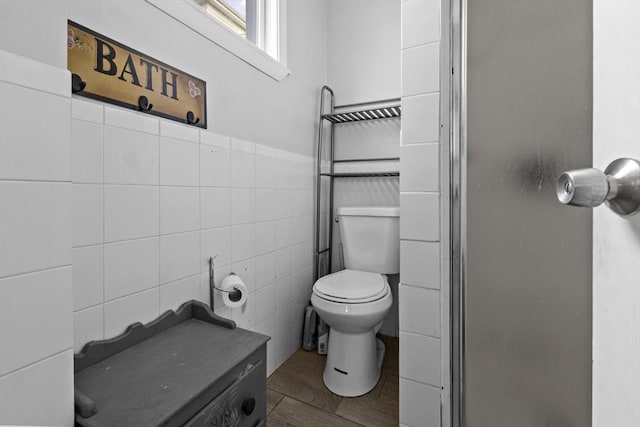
(353, 363)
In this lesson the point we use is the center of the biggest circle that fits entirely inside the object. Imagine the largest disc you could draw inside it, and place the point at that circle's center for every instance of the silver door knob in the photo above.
(618, 186)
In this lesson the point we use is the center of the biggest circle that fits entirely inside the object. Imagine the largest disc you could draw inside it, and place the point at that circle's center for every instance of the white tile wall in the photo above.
(243, 169)
(284, 263)
(179, 209)
(265, 237)
(420, 311)
(215, 166)
(420, 23)
(40, 394)
(87, 326)
(179, 162)
(215, 140)
(87, 221)
(173, 130)
(420, 263)
(247, 270)
(30, 74)
(421, 359)
(243, 242)
(420, 164)
(215, 207)
(88, 269)
(130, 266)
(130, 211)
(266, 205)
(179, 255)
(283, 204)
(130, 157)
(283, 233)
(243, 205)
(420, 225)
(174, 294)
(424, 61)
(28, 149)
(141, 307)
(419, 404)
(265, 171)
(27, 336)
(265, 270)
(215, 242)
(176, 196)
(265, 302)
(420, 219)
(87, 111)
(128, 119)
(421, 118)
(36, 294)
(86, 151)
(35, 226)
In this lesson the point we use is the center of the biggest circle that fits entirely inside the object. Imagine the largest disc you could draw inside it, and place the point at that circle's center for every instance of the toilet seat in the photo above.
(351, 286)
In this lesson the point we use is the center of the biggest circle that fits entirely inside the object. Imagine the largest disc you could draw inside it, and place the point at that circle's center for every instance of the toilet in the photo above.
(355, 301)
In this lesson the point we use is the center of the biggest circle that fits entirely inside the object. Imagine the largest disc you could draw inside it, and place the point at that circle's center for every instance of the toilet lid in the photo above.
(351, 286)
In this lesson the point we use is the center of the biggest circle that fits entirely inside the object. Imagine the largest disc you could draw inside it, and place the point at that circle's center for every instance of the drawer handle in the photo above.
(248, 406)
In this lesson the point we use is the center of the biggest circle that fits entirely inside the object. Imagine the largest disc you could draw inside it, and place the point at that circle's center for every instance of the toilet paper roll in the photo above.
(237, 295)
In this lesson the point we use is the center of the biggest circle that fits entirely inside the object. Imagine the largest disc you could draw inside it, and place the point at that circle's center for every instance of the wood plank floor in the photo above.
(296, 395)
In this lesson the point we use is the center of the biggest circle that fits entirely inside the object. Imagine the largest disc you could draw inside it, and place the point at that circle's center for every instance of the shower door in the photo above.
(521, 271)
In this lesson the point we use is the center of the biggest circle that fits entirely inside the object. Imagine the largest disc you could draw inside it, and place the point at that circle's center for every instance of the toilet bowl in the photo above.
(354, 304)
(355, 301)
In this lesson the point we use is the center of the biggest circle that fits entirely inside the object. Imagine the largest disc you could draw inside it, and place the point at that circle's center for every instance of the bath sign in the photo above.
(109, 71)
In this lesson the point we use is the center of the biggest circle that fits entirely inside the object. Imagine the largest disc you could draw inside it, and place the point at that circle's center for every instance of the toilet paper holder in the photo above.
(618, 187)
(234, 294)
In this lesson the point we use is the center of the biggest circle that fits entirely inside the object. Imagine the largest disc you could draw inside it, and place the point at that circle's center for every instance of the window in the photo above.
(254, 20)
(231, 13)
(252, 30)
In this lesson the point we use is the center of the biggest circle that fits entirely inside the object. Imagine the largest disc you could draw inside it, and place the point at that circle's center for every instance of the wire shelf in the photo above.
(389, 112)
(382, 109)
(361, 174)
(368, 159)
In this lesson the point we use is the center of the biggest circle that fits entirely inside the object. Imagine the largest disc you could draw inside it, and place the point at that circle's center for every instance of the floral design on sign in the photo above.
(73, 40)
(193, 89)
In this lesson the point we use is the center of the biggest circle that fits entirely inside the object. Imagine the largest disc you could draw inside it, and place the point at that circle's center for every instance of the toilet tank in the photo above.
(370, 238)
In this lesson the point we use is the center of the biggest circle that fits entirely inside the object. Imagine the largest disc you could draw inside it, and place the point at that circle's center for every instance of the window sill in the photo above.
(196, 19)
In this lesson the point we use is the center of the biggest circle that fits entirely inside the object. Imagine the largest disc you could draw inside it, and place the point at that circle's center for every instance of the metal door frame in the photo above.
(457, 195)
(454, 87)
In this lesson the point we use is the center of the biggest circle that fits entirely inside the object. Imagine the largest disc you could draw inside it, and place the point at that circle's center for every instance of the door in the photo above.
(524, 274)
(616, 239)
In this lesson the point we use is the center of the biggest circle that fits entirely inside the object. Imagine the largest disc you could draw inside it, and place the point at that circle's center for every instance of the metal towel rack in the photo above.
(386, 109)
(367, 114)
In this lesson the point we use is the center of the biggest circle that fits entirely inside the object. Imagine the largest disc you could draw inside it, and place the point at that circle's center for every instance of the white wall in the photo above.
(36, 357)
(363, 65)
(36, 335)
(149, 199)
(46, 18)
(153, 200)
(207, 194)
(616, 240)
(421, 229)
(242, 101)
(363, 56)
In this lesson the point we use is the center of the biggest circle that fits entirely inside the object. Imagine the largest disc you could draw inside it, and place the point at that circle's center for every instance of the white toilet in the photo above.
(355, 301)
